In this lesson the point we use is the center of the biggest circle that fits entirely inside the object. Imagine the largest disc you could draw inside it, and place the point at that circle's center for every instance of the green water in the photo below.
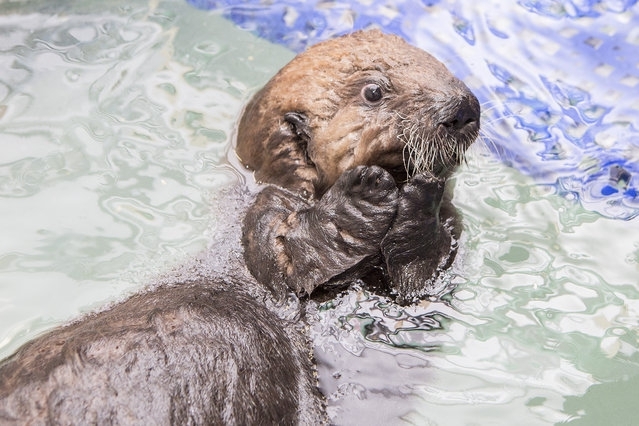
(542, 328)
(116, 125)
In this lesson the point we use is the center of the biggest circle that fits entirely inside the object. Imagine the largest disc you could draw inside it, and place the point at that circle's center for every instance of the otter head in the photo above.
(362, 99)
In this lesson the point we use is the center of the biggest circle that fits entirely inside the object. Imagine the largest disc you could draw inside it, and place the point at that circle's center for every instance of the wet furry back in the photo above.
(173, 356)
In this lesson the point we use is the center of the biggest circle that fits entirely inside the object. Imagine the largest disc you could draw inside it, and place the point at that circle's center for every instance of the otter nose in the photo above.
(458, 114)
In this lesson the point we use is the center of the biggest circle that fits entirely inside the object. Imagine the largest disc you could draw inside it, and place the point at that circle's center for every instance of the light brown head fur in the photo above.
(362, 99)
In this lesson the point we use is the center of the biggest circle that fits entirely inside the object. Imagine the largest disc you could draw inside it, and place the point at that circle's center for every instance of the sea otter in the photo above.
(357, 143)
(353, 140)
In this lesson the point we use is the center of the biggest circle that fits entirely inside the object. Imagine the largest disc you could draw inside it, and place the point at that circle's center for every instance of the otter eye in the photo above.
(372, 92)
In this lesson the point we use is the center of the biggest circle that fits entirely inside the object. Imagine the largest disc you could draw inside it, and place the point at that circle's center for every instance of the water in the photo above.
(115, 130)
(541, 317)
(116, 124)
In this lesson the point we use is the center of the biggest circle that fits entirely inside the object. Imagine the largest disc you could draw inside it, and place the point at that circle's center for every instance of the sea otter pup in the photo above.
(355, 138)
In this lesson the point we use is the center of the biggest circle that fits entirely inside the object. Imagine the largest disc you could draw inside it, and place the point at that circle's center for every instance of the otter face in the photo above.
(362, 99)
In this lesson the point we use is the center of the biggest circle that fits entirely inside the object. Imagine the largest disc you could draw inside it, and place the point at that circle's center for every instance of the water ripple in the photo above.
(117, 173)
(110, 153)
(566, 86)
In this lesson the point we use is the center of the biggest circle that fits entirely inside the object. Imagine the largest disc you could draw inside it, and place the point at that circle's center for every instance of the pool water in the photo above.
(116, 125)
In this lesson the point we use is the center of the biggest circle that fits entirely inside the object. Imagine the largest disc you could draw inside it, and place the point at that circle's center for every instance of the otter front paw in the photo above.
(370, 184)
(362, 204)
(417, 246)
(422, 195)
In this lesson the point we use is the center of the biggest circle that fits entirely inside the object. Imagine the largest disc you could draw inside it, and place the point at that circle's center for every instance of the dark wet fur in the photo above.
(364, 227)
(196, 353)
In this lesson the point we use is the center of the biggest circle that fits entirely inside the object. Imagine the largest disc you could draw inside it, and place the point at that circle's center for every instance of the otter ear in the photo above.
(299, 125)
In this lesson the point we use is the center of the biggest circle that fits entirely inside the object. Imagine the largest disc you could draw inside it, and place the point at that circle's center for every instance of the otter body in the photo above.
(199, 353)
(354, 140)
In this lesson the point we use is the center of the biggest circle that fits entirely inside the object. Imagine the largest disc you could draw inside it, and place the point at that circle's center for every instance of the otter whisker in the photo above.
(430, 151)
(425, 153)
(461, 152)
(494, 105)
(444, 155)
(488, 139)
(412, 137)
